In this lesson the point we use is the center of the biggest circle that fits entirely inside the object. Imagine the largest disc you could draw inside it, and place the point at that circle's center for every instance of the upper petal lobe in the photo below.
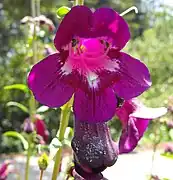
(109, 24)
(104, 23)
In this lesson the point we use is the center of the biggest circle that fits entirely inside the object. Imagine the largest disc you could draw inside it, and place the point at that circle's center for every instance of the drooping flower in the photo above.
(39, 126)
(94, 150)
(135, 118)
(28, 126)
(90, 65)
(5, 170)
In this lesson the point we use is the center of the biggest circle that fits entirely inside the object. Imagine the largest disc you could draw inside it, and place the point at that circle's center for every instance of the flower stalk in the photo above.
(41, 174)
(65, 114)
(79, 2)
(32, 102)
(28, 159)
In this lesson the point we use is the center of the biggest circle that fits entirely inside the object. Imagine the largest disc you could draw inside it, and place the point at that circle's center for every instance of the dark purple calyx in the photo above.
(93, 147)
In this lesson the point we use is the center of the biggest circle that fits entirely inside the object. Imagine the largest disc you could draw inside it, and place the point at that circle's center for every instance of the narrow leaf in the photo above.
(54, 147)
(68, 133)
(19, 105)
(19, 136)
(21, 87)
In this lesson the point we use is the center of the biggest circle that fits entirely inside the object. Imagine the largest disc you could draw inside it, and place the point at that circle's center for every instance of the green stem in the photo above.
(28, 160)
(38, 7)
(32, 107)
(34, 43)
(79, 2)
(65, 114)
(33, 12)
(41, 174)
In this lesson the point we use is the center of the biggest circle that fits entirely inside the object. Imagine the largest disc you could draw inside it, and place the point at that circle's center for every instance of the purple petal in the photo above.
(76, 23)
(109, 24)
(132, 134)
(135, 119)
(94, 107)
(135, 77)
(47, 82)
(3, 168)
(103, 23)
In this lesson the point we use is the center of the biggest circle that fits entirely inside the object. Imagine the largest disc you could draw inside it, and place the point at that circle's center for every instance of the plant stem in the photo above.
(41, 174)
(65, 114)
(79, 2)
(28, 160)
(32, 107)
(34, 43)
(153, 159)
(155, 145)
(38, 7)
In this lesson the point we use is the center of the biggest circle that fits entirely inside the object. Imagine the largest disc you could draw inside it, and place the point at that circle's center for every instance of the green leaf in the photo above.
(55, 143)
(19, 136)
(171, 134)
(168, 155)
(42, 109)
(19, 105)
(62, 11)
(21, 87)
(54, 147)
(68, 133)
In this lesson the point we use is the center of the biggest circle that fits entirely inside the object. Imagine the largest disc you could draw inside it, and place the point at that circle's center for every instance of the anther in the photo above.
(74, 42)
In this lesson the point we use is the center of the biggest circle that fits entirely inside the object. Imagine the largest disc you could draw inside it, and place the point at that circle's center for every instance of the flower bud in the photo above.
(28, 126)
(43, 161)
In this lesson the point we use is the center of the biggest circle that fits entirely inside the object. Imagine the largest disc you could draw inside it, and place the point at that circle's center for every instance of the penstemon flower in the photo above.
(89, 64)
(94, 149)
(135, 118)
(39, 126)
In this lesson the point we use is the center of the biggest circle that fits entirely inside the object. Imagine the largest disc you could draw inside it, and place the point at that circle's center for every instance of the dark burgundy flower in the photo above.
(90, 65)
(93, 148)
(5, 170)
(41, 128)
(135, 118)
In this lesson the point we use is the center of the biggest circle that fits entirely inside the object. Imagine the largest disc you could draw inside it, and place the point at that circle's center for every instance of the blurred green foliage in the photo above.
(152, 42)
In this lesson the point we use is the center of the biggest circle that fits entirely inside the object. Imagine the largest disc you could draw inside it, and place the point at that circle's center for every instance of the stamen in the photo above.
(133, 8)
(107, 50)
(70, 49)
